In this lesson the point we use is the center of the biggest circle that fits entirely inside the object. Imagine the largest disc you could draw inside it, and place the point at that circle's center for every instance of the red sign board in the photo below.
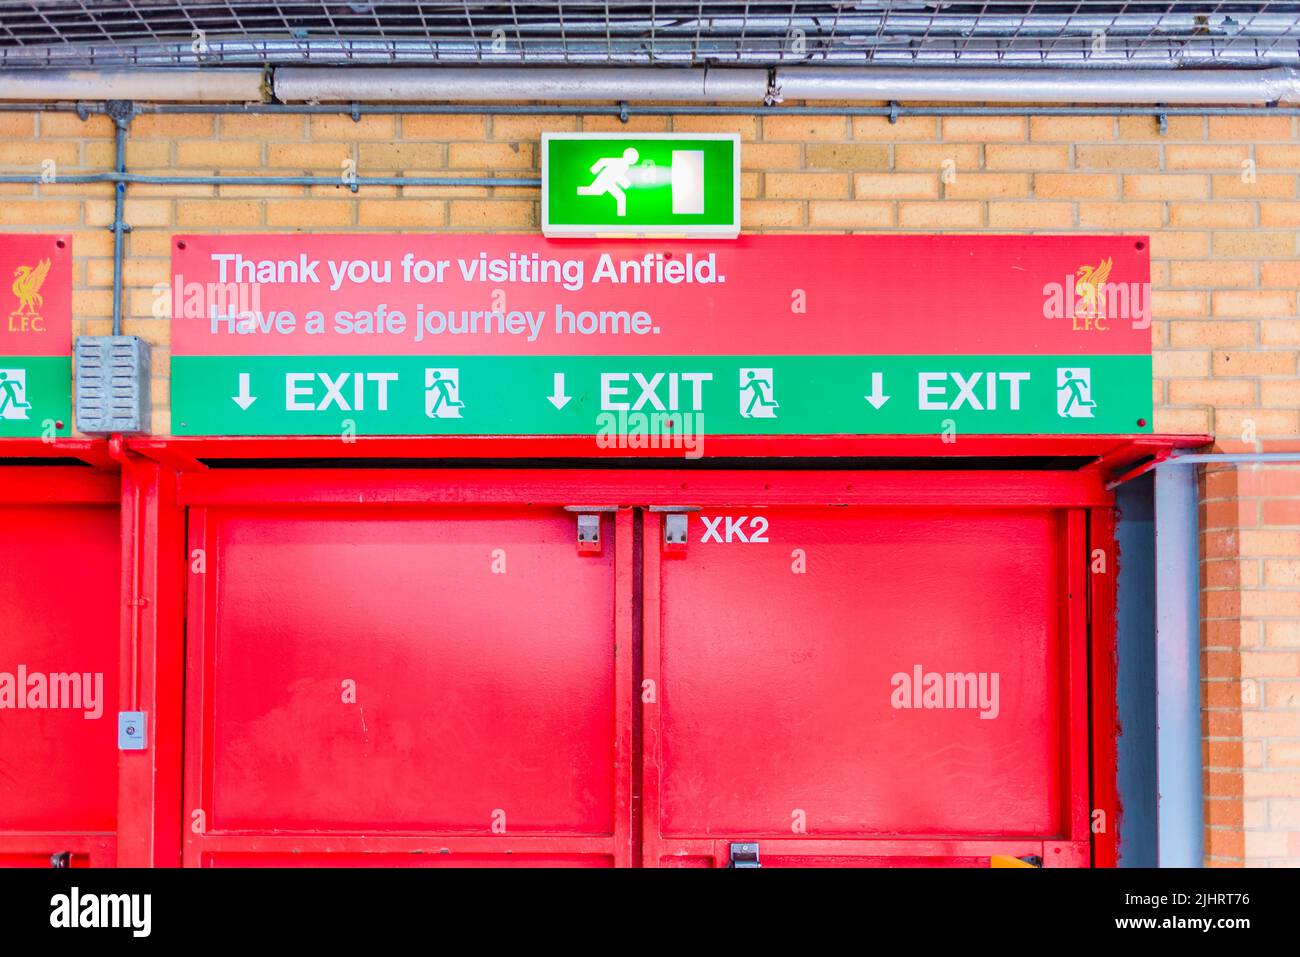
(787, 295)
(793, 335)
(36, 297)
(35, 335)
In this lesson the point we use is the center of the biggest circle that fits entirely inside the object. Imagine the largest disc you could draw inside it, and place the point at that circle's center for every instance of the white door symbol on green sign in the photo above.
(1074, 393)
(757, 394)
(612, 177)
(13, 394)
(442, 393)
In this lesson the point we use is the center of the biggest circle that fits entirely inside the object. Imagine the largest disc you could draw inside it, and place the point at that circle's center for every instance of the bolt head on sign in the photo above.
(646, 185)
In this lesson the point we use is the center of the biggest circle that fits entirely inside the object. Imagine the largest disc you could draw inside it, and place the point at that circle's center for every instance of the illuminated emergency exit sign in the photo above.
(596, 184)
(763, 335)
(35, 336)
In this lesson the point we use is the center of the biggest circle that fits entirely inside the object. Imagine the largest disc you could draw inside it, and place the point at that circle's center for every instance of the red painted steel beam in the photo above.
(560, 487)
(1103, 705)
(1114, 451)
(152, 675)
(94, 452)
(59, 485)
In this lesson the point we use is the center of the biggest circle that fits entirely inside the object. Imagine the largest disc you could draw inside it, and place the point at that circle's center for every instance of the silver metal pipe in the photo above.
(122, 112)
(311, 86)
(632, 109)
(154, 179)
(490, 84)
(1276, 85)
(915, 42)
(202, 86)
(308, 85)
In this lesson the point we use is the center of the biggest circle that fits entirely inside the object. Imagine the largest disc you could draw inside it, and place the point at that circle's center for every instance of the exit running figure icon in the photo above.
(611, 174)
(757, 394)
(442, 394)
(1074, 393)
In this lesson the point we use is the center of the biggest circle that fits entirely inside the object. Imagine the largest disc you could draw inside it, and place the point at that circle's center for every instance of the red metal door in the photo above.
(866, 686)
(59, 591)
(406, 684)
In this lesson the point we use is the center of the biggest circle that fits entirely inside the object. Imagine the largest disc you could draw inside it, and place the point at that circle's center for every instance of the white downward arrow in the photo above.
(877, 398)
(557, 397)
(244, 400)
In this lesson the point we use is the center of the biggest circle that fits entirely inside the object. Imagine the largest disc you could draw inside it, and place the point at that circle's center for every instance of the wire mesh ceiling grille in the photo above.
(168, 33)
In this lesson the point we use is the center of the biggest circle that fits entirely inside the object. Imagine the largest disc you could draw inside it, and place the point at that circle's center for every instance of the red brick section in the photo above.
(1250, 543)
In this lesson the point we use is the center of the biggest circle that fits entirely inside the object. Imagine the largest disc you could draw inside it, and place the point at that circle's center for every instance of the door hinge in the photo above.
(744, 855)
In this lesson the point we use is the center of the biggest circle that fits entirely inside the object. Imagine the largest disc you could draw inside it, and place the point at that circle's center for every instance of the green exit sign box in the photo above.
(660, 185)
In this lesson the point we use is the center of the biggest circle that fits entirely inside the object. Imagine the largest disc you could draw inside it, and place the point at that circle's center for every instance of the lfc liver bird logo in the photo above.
(27, 287)
(1089, 283)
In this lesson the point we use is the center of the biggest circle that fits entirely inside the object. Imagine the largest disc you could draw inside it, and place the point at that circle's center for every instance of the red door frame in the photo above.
(1070, 849)
(161, 477)
(246, 489)
(1074, 493)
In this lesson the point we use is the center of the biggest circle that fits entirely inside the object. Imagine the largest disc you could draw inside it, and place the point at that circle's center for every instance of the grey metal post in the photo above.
(1178, 674)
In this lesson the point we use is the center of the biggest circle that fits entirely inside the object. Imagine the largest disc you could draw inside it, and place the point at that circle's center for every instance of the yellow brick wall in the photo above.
(1217, 195)
(1226, 332)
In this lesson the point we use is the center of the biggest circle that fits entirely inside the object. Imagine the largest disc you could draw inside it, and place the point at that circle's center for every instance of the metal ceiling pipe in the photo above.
(495, 84)
(1276, 85)
(663, 85)
(191, 86)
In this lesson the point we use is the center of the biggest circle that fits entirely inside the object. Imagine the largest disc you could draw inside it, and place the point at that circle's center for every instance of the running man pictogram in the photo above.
(441, 388)
(13, 390)
(611, 174)
(1074, 393)
(761, 402)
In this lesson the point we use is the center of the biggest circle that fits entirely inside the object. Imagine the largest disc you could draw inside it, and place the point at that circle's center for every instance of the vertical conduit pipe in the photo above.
(121, 112)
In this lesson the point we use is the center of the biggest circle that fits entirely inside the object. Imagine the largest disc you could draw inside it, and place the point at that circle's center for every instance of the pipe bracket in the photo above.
(121, 112)
(773, 94)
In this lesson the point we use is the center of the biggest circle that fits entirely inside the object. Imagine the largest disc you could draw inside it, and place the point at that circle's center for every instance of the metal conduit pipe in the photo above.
(307, 85)
(895, 110)
(441, 89)
(491, 84)
(200, 86)
(1276, 85)
(122, 112)
(163, 179)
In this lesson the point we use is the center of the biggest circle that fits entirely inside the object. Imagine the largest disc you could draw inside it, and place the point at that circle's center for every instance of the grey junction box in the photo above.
(112, 384)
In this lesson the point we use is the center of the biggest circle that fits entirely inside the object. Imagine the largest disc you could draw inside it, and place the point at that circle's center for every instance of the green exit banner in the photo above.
(646, 185)
(35, 396)
(618, 395)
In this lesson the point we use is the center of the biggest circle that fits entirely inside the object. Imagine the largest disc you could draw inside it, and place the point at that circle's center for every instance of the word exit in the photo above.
(980, 391)
(347, 391)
